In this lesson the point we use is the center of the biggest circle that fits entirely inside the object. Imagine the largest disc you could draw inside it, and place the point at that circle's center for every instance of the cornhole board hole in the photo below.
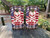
(17, 17)
(32, 14)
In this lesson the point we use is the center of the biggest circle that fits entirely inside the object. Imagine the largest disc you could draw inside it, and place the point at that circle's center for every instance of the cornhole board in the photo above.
(32, 14)
(17, 17)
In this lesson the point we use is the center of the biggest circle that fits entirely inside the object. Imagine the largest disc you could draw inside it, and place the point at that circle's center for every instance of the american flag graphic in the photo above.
(12, 17)
(31, 18)
(17, 18)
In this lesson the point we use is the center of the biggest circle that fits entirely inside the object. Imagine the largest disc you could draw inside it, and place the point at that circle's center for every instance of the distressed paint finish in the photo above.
(12, 17)
(31, 17)
(17, 18)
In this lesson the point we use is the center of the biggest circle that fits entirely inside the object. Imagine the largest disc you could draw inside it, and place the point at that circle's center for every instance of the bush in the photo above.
(44, 24)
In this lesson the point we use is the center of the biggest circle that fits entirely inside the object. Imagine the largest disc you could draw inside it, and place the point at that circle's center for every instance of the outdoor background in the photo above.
(44, 12)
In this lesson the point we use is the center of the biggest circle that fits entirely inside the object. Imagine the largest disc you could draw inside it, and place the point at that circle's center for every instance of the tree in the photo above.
(16, 2)
(48, 6)
(48, 9)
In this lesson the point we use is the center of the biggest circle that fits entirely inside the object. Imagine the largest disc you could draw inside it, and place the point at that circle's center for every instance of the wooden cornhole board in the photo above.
(32, 14)
(17, 17)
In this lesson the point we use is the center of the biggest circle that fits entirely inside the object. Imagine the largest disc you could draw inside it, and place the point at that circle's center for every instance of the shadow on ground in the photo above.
(7, 32)
(37, 33)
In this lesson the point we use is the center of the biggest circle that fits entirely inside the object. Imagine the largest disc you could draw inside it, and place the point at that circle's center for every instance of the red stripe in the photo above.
(22, 13)
(37, 18)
